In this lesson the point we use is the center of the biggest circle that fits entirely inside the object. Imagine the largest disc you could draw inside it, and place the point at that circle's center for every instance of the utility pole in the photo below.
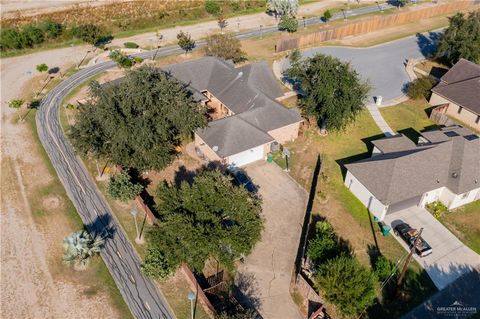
(407, 261)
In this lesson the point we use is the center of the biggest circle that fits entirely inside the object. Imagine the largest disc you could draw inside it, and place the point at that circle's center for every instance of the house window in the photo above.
(477, 120)
(459, 109)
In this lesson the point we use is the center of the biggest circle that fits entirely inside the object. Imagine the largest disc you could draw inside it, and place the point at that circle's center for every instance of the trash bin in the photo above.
(269, 157)
(384, 228)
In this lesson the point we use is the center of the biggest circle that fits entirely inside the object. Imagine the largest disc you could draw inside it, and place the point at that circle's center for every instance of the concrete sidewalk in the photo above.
(379, 120)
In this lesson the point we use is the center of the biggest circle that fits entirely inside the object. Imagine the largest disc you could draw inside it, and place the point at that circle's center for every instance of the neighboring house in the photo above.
(458, 93)
(444, 166)
(246, 119)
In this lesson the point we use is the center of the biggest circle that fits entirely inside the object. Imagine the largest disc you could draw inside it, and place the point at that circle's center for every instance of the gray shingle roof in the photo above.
(399, 175)
(233, 135)
(394, 144)
(461, 85)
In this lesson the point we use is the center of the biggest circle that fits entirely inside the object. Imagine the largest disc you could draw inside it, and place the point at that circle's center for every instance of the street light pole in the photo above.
(134, 213)
(191, 296)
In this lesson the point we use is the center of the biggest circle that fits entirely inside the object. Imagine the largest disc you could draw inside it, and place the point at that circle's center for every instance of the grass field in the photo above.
(463, 222)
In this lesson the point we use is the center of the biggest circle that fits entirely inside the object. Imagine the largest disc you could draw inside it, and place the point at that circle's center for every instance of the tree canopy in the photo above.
(138, 122)
(185, 41)
(288, 23)
(461, 39)
(347, 284)
(331, 90)
(226, 46)
(211, 217)
(283, 7)
(121, 187)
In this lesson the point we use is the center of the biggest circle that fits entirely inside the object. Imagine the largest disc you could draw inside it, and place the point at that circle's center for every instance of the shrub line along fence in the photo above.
(374, 24)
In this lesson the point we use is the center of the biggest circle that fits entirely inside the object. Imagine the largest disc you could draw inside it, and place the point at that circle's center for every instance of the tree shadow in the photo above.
(54, 70)
(246, 291)
(102, 226)
(428, 43)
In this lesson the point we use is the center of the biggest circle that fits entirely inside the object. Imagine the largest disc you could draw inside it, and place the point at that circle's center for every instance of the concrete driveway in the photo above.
(265, 276)
(382, 65)
(450, 258)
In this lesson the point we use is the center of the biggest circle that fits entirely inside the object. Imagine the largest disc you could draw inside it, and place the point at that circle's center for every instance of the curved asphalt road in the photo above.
(139, 292)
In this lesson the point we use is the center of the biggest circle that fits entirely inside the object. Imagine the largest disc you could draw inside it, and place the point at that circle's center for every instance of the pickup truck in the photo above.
(409, 235)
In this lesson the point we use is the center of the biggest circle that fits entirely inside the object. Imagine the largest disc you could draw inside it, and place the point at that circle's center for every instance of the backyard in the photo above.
(350, 219)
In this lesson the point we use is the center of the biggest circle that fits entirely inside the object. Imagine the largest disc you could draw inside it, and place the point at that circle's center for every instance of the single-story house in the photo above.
(443, 166)
(458, 93)
(246, 118)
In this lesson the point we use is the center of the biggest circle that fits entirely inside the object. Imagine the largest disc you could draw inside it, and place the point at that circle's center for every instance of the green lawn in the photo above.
(464, 223)
(409, 118)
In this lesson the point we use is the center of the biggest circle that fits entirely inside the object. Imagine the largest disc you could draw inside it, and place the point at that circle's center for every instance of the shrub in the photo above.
(122, 188)
(420, 88)
(323, 245)
(347, 284)
(130, 45)
(327, 15)
(89, 33)
(32, 35)
(437, 209)
(52, 29)
(212, 7)
(383, 268)
(15, 104)
(287, 23)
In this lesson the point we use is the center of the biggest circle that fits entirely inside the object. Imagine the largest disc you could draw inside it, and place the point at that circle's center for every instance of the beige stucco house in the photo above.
(245, 116)
(458, 93)
(443, 166)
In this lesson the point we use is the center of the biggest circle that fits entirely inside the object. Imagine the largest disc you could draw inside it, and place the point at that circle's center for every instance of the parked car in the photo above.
(409, 235)
(241, 178)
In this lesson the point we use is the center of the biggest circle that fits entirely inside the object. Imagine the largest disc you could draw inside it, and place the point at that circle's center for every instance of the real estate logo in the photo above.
(457, 310)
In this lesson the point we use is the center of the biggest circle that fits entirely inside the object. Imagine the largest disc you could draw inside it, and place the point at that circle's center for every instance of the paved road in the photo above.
(139, 292)
(450, 258)
(382, 65)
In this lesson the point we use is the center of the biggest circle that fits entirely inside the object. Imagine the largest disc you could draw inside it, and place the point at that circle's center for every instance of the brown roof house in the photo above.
(246, 118)
(458, 93)
(443, 166)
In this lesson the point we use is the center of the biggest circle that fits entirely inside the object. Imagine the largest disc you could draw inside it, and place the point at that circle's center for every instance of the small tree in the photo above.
(122, 188)
(383, 268)
(461, 39)
(420, 88)
(79, 248)
(347, 284)
(185, 41)
(222, 22)
(226, 46)
(42, 68)
(332, 91)
(212, 7)
(122, 60)
(283, 7)
(323, 245)
(89, 33)
(287, 23)
(327, 15)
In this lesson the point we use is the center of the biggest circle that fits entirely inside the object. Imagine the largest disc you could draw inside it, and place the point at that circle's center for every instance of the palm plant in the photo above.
(79, 247)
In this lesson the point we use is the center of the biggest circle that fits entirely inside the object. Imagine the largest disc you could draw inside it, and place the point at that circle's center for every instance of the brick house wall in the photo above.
(286, 133)
(205, 149)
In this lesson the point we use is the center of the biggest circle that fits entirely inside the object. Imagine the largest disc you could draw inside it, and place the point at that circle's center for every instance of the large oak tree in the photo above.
(138, 122)
(461, 39)
(332, 92)
(211, 217)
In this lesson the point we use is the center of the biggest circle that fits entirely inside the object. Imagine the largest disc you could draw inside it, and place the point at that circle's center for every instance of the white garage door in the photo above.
(244, 158)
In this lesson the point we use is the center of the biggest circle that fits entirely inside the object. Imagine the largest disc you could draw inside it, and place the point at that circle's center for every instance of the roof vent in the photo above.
(215, 148)
(454, 175)
(451, 133)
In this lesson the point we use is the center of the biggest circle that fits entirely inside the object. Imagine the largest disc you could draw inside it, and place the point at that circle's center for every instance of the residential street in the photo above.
(383, 66)
(266, 275)
(450, 258)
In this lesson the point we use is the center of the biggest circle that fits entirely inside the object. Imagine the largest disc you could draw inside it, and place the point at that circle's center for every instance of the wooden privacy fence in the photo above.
(374, 24)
